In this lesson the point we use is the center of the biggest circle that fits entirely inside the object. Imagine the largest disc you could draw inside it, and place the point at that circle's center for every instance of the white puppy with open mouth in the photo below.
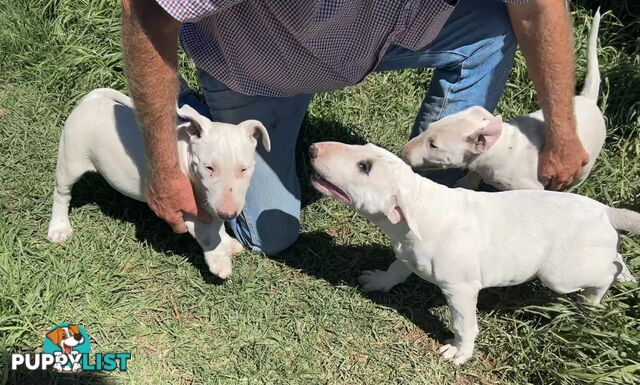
(102, 135)
(505, 154)
(463, 240)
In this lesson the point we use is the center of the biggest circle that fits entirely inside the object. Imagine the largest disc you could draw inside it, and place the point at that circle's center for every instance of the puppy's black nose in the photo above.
(313, 151)
(77, 337)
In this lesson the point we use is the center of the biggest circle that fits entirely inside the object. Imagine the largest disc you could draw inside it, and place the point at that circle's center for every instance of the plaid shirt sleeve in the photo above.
(194, 10)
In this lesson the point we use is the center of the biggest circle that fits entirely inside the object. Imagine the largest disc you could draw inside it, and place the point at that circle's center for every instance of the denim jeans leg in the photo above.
(472, 57)
(270, 221)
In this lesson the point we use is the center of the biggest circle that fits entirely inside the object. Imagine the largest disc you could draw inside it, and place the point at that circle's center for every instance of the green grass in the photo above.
(298, 318)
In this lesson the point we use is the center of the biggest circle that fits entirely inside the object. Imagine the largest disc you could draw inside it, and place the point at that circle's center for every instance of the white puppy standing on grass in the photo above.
(505, 155)
(464, 241)
(102, 135)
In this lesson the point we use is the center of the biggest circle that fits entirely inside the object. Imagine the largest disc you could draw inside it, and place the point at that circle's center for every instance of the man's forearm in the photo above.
(544, 32)
(149, 39)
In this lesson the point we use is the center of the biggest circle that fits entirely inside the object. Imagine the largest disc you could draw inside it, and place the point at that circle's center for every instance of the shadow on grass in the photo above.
(314, 253)
(92, 188)
(622, 75)
(149, 229)
(623, 105)
(39, 377)
(628, 12)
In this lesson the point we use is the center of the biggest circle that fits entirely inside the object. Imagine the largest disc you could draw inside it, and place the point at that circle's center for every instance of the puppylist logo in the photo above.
(67, 348)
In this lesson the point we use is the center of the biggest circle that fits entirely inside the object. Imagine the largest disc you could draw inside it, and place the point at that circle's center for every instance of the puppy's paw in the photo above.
(624, 275)
(59, 232)
(233, 246)
(459, 355)
(219, 265)
(375, 280)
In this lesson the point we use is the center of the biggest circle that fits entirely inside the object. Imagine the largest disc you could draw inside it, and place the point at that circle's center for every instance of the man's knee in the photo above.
(277, 231)
(271, 233)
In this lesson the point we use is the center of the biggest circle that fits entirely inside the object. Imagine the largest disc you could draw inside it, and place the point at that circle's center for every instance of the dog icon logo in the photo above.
(70, 340)
(67, 348)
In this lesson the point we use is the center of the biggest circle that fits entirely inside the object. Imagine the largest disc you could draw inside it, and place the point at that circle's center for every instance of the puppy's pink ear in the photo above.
(479, 113)
(193, 129)
(487, 136)
(396, 214)
(193, 120)
(256, 130)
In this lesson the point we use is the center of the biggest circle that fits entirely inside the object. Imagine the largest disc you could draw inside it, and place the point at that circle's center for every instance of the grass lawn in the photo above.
(297, 318)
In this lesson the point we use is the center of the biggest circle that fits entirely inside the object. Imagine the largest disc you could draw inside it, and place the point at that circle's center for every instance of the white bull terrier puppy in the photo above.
(505, 155)
(463, 240)
(102, 135)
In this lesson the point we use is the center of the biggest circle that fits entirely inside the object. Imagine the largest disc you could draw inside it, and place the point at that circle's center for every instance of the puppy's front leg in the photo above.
(232, 245)
(378, 280)
(216, 252)
(462, 302)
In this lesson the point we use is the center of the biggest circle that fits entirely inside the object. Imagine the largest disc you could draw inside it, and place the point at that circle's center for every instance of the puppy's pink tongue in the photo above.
(330, 188)
(67, 349)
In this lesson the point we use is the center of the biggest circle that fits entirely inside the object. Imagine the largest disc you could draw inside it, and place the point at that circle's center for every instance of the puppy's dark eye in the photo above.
(432, 145)
(364, 166)
(210, 169)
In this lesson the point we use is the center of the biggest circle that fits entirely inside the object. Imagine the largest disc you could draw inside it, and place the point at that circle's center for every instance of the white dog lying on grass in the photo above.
(505, 155)
(102, 135)
(464, 241)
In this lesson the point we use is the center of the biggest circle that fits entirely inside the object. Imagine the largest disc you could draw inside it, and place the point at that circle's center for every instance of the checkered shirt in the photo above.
(287, 47)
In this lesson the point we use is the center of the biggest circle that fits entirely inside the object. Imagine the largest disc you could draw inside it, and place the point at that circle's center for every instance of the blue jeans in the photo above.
(472, 55)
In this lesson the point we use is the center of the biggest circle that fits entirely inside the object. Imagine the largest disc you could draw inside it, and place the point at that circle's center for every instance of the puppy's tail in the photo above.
(109, 94)
(592, 80)
(623, 219)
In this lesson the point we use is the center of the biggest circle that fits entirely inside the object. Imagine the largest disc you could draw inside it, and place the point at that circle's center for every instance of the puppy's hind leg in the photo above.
(378, 280)
(618, 272)
(68, 171)
(593, 295)
(462, 302)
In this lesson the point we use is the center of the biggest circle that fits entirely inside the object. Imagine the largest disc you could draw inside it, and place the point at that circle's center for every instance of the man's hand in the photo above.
(150, 44)
(561, 161)
(172, 196)
(543, 30)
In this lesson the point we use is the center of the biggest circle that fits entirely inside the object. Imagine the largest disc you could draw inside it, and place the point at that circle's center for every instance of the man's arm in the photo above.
(150, 45)
(543, 31)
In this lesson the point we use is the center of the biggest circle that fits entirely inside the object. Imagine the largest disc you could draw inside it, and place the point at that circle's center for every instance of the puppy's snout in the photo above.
(313, 151)
(77, 337)
(323, 149)
(227, 216)
(404, 154)
(407, 153)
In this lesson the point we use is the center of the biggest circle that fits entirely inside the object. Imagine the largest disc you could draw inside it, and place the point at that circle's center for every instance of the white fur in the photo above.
(507, 156)
(102, 135)
(464, 241)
